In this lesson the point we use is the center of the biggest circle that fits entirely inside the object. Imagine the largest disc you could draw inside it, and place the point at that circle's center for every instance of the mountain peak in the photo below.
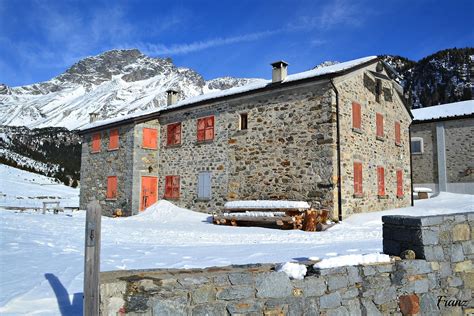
(113, 83)
(132, 64)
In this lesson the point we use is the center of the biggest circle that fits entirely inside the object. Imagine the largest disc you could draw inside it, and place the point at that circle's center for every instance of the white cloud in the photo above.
(160, 49)
(335, 13)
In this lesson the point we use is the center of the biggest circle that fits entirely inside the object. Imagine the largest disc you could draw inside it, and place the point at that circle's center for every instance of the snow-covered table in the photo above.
(264, 213)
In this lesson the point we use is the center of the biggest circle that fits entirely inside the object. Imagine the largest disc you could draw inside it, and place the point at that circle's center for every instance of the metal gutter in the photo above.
(338, 146)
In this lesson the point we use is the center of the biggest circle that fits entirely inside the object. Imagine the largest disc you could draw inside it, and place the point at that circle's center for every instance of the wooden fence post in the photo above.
(92, 259)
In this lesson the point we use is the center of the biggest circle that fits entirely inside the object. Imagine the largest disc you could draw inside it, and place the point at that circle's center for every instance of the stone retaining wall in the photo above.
(426, 287)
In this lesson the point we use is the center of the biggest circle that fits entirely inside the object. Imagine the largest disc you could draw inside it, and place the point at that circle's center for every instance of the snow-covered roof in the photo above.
(444, 111)
(332, 69)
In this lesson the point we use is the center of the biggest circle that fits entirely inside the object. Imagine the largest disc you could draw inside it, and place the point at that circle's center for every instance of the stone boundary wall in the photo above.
(429, 286)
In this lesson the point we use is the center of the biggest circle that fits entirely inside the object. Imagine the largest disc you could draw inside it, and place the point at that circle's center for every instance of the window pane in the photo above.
(243, 121)
(416, 146)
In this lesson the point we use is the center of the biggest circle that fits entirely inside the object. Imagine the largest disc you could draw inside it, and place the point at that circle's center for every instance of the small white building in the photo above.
(442, 139)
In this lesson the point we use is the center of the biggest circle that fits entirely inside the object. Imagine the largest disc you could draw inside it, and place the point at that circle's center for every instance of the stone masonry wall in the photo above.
(459, 138)
(425, 165)
(363, 145)
(96, 167)
(408, 287)
(459, 141)
(287, 152)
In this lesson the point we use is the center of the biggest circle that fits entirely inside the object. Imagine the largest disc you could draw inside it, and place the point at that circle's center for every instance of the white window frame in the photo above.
(417, 139)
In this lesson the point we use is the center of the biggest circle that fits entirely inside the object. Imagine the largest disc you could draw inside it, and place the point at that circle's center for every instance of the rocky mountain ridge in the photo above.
(114, 83)
(444, 77)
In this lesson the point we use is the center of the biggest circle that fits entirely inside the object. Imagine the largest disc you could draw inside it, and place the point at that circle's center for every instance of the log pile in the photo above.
(310, 220)
(316, 220)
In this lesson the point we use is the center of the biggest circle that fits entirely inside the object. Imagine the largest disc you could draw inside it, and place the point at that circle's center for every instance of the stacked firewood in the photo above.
(316, 220)
(310, 220)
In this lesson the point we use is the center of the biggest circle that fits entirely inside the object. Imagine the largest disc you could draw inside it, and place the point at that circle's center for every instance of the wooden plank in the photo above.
(92, 259)
(253, 218)
(235, 210)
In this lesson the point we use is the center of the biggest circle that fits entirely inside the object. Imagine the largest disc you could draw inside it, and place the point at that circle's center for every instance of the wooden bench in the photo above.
(55, 207)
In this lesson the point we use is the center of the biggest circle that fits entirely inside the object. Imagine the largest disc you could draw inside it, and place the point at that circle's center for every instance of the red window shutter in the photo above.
(169, 135)
(201, 125)
(114, 139)
(177, 133)
(379, 124)
(205, 129)
(210, 128)
(381, 180)
(176, 187)
(150, 138)
(399, 183)
(172, 187)
(397, 133)
(358, 178)
(168, 186)
(112, 187)
(96, 142)
(356, 115)
(174, 134)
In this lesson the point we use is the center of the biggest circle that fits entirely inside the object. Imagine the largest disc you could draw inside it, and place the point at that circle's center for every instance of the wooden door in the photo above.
(149, 192)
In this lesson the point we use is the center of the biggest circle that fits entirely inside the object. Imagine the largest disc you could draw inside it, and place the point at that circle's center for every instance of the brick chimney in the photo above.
(172, 96)
(93, 117)
(280, 70)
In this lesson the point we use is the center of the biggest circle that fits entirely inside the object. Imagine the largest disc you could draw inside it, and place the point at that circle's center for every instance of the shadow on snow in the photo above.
(62, 296)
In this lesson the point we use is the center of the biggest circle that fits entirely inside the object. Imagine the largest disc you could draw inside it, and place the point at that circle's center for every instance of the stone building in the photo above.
(442, 140)
(336, 137)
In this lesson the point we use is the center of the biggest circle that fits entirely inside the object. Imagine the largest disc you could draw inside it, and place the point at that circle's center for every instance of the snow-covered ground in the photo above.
(41, 256)
(23, 189)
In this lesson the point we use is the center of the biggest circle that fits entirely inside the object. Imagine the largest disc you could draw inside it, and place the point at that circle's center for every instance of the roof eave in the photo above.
(270, 86)
(446, 118)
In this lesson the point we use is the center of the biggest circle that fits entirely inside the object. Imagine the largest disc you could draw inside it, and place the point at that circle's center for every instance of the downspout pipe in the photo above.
(338, 149)
(411, 166)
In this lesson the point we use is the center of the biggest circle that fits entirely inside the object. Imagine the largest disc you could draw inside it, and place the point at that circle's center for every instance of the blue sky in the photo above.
(41, 39)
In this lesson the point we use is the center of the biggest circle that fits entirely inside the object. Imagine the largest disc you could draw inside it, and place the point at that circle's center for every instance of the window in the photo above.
(356, 116)
(96, 142)
(173, 134)
(114, 139)
(397, 133)
(378, 89)
(150, 137)
(379, 125)
(417, 145)
(204, 185)
(172, 187)
(358, 179)
(205, 128)
(112, 187)
(243, 121)
(399, 183)
(380, 181)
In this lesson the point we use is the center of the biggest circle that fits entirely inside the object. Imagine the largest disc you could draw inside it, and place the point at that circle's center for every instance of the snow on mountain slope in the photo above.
(23, 189)
(114, 83)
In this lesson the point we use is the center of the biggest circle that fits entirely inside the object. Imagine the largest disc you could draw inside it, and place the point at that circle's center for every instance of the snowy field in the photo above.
(25, 189)
(42, 255)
